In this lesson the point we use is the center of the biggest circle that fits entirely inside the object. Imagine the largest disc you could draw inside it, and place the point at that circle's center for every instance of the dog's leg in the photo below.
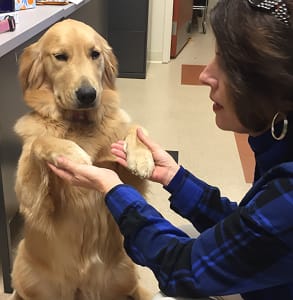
(141, 293)
(45, 291)
(15, 296)
(123, 283)
(32, 281)
(49, 148)
(139, 157)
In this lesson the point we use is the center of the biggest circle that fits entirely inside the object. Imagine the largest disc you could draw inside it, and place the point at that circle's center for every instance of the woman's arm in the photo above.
(250, 249)
(239, 254)
(190, 197)
(197, 201)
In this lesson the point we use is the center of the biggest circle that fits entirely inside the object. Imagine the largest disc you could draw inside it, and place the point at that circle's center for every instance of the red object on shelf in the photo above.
(182, 19)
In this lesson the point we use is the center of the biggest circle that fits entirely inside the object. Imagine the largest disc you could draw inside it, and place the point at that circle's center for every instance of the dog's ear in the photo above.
(37, 91)
(111, 66)
(31, 71)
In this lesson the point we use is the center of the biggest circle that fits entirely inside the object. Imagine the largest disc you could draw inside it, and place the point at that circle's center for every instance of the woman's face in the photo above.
(215, 78)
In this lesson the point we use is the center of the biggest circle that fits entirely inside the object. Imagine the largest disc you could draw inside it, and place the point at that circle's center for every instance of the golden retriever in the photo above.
(72, 248)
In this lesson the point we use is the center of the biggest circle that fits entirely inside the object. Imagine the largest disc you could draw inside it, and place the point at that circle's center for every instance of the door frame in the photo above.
(167, 31)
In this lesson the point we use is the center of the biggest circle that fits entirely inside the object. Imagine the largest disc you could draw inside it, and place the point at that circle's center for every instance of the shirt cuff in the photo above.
(176, 181)
(186, 192)
(119, 198)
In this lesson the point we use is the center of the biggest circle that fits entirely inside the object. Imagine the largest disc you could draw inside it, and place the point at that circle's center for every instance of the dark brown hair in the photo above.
(256, 53)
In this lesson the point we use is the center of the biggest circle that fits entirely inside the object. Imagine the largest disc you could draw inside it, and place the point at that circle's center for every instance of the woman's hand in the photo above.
(165, 166)
(86, 176)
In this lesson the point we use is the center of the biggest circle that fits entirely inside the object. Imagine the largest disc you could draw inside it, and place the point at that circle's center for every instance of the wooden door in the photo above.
(182, 18)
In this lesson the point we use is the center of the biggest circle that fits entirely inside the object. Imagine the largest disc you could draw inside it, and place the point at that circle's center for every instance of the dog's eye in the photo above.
(61, 56)
(95, 54)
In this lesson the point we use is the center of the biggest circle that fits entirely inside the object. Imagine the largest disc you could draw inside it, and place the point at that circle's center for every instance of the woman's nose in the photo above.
(203, 76)
(209, 75)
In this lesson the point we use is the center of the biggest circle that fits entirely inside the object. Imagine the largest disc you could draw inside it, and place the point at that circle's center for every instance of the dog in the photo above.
(72, 248)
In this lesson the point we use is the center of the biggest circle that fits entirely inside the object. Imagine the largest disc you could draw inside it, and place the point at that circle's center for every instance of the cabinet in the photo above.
(127, 35)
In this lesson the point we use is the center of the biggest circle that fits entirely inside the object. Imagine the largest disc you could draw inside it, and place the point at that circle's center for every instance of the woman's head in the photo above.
(255, 52)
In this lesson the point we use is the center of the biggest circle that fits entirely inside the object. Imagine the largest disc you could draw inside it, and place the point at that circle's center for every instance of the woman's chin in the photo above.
(230, 126)
(222, 124)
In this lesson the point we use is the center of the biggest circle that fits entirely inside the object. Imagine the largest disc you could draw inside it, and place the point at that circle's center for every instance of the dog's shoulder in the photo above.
(33, 125)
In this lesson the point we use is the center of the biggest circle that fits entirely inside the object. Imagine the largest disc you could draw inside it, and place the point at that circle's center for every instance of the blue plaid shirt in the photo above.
(245, 248)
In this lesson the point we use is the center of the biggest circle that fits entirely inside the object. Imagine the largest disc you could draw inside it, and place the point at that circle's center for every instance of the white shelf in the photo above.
(33, 21)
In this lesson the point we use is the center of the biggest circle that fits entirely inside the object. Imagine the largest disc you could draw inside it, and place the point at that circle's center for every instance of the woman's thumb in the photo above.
(64, 163)
(146, 140)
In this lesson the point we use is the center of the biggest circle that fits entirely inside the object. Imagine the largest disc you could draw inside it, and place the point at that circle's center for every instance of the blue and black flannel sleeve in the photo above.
(248, 250)
(197, 201)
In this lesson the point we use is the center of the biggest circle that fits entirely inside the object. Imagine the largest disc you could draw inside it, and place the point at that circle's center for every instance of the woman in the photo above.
(244, 249)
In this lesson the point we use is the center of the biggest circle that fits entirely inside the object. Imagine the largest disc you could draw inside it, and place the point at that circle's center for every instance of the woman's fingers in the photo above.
(147, 141)
(66, 168)
(66, 164)
(118, 146)
(118, 149)
(64, 174)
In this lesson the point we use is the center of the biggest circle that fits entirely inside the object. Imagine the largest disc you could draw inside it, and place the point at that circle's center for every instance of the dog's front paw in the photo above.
(140, 161)
(48, 149)
(73, 152)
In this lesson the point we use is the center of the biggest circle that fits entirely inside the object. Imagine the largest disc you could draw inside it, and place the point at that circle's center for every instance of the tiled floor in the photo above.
(180, 118)
(190, 74)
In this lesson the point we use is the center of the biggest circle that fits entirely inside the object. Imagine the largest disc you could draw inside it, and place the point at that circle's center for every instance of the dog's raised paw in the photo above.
(73, 152)
(140, 162)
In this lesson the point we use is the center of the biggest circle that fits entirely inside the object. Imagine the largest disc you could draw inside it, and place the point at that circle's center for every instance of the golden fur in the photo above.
(72, 248)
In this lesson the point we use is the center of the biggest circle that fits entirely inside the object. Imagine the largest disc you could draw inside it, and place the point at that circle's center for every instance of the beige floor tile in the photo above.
(4, 296)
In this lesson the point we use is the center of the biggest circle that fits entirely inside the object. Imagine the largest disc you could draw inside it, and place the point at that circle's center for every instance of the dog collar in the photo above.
(8, 24)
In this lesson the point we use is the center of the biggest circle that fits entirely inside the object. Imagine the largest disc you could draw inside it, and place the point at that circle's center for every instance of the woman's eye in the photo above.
(95, 54)
(61, 57)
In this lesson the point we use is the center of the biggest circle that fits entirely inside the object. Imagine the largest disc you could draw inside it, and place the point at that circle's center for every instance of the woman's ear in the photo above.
(111, 66)
(31, 69)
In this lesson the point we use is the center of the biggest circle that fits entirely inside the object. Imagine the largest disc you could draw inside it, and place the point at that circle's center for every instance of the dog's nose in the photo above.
(86, 95)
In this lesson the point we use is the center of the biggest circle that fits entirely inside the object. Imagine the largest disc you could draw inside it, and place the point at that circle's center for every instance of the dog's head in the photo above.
(68, 67)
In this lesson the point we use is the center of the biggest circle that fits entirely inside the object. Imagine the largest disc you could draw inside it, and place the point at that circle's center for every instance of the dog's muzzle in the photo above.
(86, 96)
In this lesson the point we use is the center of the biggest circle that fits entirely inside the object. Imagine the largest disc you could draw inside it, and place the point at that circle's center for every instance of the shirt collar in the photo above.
(270, 152)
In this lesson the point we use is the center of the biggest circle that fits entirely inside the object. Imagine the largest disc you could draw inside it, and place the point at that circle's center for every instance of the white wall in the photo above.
(160, 30)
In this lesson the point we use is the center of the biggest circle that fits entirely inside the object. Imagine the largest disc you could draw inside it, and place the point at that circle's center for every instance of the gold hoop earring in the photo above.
(284, 129)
